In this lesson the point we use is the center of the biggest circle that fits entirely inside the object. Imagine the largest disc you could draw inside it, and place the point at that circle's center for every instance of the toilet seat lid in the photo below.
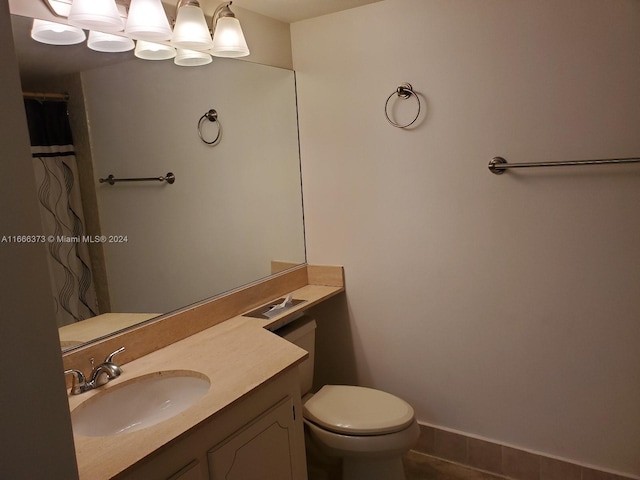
(358, 410)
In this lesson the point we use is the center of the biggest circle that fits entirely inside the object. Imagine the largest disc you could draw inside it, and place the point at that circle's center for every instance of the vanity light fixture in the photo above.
(154, 51)
(101, 15)
(191, 58)
(228, 39)
(147, 21)
(107, 42)
(191, 31)
(53, 33)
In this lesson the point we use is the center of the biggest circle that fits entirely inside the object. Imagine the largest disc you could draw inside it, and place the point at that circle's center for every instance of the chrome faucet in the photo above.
(100, 375)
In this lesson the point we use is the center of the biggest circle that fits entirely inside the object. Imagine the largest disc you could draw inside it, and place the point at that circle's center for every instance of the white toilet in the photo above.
(368, 429)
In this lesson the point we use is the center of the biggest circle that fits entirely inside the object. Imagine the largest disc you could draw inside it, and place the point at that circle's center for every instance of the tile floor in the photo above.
(417, 466)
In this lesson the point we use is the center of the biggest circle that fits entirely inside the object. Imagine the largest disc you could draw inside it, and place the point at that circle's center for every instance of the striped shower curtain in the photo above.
(58, 192)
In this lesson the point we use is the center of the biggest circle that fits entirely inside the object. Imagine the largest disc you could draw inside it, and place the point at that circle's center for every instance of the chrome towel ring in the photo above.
(212, 116)
(403, 91)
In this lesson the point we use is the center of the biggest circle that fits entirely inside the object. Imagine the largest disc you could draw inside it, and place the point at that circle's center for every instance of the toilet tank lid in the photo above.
(358, 410)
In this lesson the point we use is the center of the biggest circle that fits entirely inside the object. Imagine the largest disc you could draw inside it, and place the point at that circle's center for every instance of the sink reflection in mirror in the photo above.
(139, 403)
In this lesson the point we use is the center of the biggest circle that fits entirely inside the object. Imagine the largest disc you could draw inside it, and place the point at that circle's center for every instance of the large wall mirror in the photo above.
(234, 213)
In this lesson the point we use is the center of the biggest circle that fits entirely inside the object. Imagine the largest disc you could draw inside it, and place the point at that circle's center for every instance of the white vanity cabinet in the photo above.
(258, 438)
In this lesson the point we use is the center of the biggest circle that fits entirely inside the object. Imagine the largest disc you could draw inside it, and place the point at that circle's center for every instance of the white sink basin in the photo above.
(139, 403)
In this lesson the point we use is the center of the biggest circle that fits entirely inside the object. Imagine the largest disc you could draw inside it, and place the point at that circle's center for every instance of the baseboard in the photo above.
(505, 460)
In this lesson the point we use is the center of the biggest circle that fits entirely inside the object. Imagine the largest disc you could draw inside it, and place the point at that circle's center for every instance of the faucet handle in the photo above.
(79, 381)
(77, 374)
(109, 359)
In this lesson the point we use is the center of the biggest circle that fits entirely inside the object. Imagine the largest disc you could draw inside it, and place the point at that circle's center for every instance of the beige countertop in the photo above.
(237, 355)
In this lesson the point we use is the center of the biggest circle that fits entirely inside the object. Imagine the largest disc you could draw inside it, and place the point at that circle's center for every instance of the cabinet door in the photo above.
(262, 450)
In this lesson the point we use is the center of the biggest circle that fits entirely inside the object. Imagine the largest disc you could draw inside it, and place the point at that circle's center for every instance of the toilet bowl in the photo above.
(368, 429)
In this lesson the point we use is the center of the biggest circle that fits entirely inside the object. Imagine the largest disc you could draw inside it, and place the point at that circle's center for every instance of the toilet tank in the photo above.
(302, 332)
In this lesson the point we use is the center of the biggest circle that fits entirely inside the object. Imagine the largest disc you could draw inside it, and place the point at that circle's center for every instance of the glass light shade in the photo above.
(228, 39)
(191, 58)
(56, 33)
(154, 51)
(147, 21)
(191, 31)
(101, 15)
(105, 42)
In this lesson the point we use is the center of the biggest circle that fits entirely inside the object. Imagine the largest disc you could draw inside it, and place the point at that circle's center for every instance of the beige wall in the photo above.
(505, 307)
(269, 40)
(36, 430)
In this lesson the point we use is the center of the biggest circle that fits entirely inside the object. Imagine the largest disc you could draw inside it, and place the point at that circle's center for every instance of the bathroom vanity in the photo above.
(249, 419)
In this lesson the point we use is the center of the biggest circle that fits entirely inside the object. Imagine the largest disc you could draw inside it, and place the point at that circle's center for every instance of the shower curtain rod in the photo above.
(51, 97)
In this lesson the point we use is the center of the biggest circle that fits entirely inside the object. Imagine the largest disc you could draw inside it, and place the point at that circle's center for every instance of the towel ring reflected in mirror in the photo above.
(404, 91)
(212, 116)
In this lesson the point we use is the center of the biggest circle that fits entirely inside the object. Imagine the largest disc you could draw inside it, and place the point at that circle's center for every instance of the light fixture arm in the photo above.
(184, 3)
(221, 11)
(60, 8)
(53, 10)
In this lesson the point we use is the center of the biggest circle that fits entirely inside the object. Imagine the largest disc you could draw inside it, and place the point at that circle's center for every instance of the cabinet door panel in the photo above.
(259, 451)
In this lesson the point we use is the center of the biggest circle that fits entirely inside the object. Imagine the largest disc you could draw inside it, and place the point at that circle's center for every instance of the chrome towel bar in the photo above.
(498, 165)
(111, 180)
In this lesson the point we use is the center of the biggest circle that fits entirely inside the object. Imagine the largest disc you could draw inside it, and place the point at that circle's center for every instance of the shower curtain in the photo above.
(58, 193)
